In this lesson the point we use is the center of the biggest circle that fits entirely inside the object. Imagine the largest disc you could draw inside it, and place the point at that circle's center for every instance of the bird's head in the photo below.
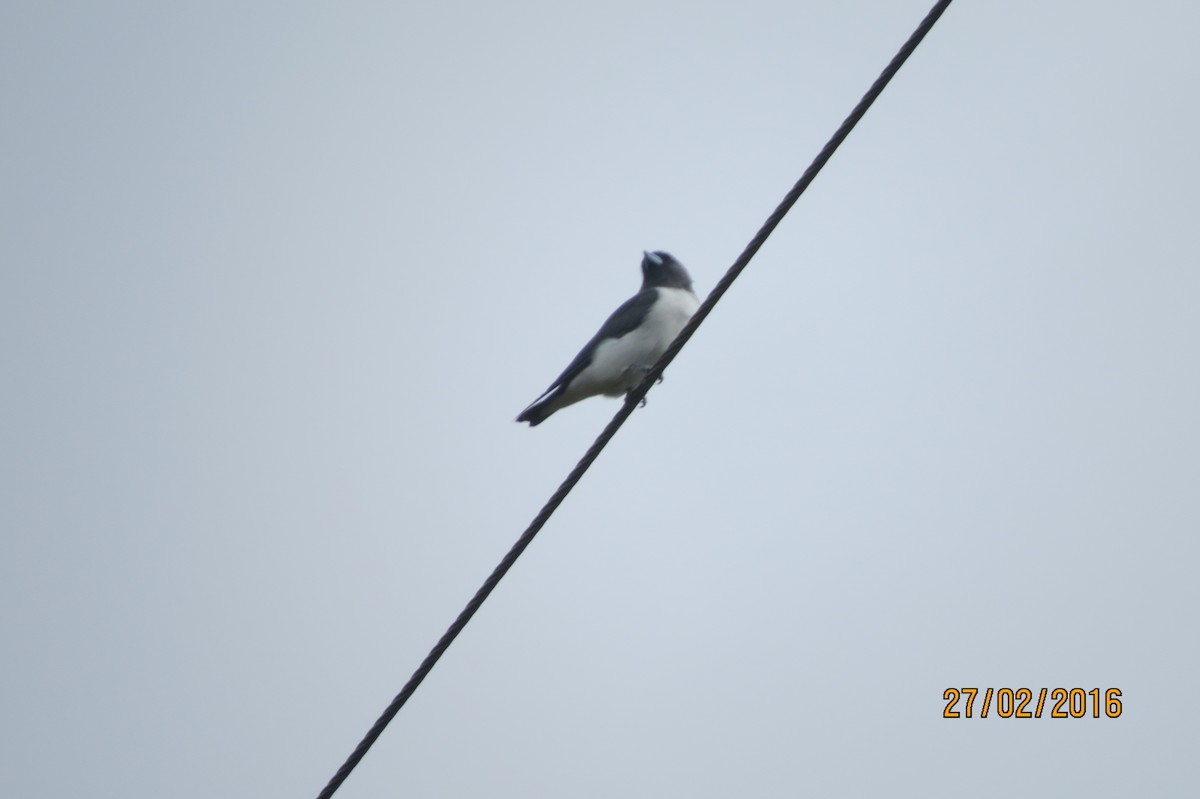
(661, 270)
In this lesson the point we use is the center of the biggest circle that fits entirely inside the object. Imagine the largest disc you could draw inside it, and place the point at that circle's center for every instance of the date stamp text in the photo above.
(1022, 703)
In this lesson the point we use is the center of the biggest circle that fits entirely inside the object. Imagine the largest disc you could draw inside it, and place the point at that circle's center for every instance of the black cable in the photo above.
(632, 399)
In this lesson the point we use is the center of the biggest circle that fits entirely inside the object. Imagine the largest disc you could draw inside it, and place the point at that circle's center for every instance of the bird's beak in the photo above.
(654, 259)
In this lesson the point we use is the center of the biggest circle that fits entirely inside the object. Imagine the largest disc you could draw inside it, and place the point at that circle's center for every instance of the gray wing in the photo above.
(623, 320)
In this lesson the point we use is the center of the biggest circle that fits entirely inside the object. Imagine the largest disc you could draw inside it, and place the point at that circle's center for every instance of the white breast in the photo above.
(619, 364)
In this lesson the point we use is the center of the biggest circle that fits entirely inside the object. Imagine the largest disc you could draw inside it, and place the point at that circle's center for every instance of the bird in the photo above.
(628, 344)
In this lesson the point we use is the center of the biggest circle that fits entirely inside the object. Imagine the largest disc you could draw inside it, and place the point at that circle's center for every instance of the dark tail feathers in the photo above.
(536, 414)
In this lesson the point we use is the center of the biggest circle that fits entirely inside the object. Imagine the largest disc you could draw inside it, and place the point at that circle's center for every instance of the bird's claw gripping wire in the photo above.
(645, 369)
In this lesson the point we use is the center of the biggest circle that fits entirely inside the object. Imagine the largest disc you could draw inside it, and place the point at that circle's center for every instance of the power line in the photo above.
(633, 398)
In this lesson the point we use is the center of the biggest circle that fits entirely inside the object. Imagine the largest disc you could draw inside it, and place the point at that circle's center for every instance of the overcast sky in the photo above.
(277, 278)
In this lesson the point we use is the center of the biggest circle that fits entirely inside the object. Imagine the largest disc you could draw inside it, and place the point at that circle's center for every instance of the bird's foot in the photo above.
(629, 396)
(647, 368)
(644, 369)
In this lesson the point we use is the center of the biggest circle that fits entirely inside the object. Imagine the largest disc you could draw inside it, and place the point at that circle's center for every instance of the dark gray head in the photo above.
(660, 269)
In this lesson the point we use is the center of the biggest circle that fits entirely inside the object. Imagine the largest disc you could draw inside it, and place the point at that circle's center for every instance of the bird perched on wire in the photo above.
(628, 344)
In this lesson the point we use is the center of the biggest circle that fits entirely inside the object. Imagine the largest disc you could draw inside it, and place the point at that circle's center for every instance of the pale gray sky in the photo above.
(279, 276)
